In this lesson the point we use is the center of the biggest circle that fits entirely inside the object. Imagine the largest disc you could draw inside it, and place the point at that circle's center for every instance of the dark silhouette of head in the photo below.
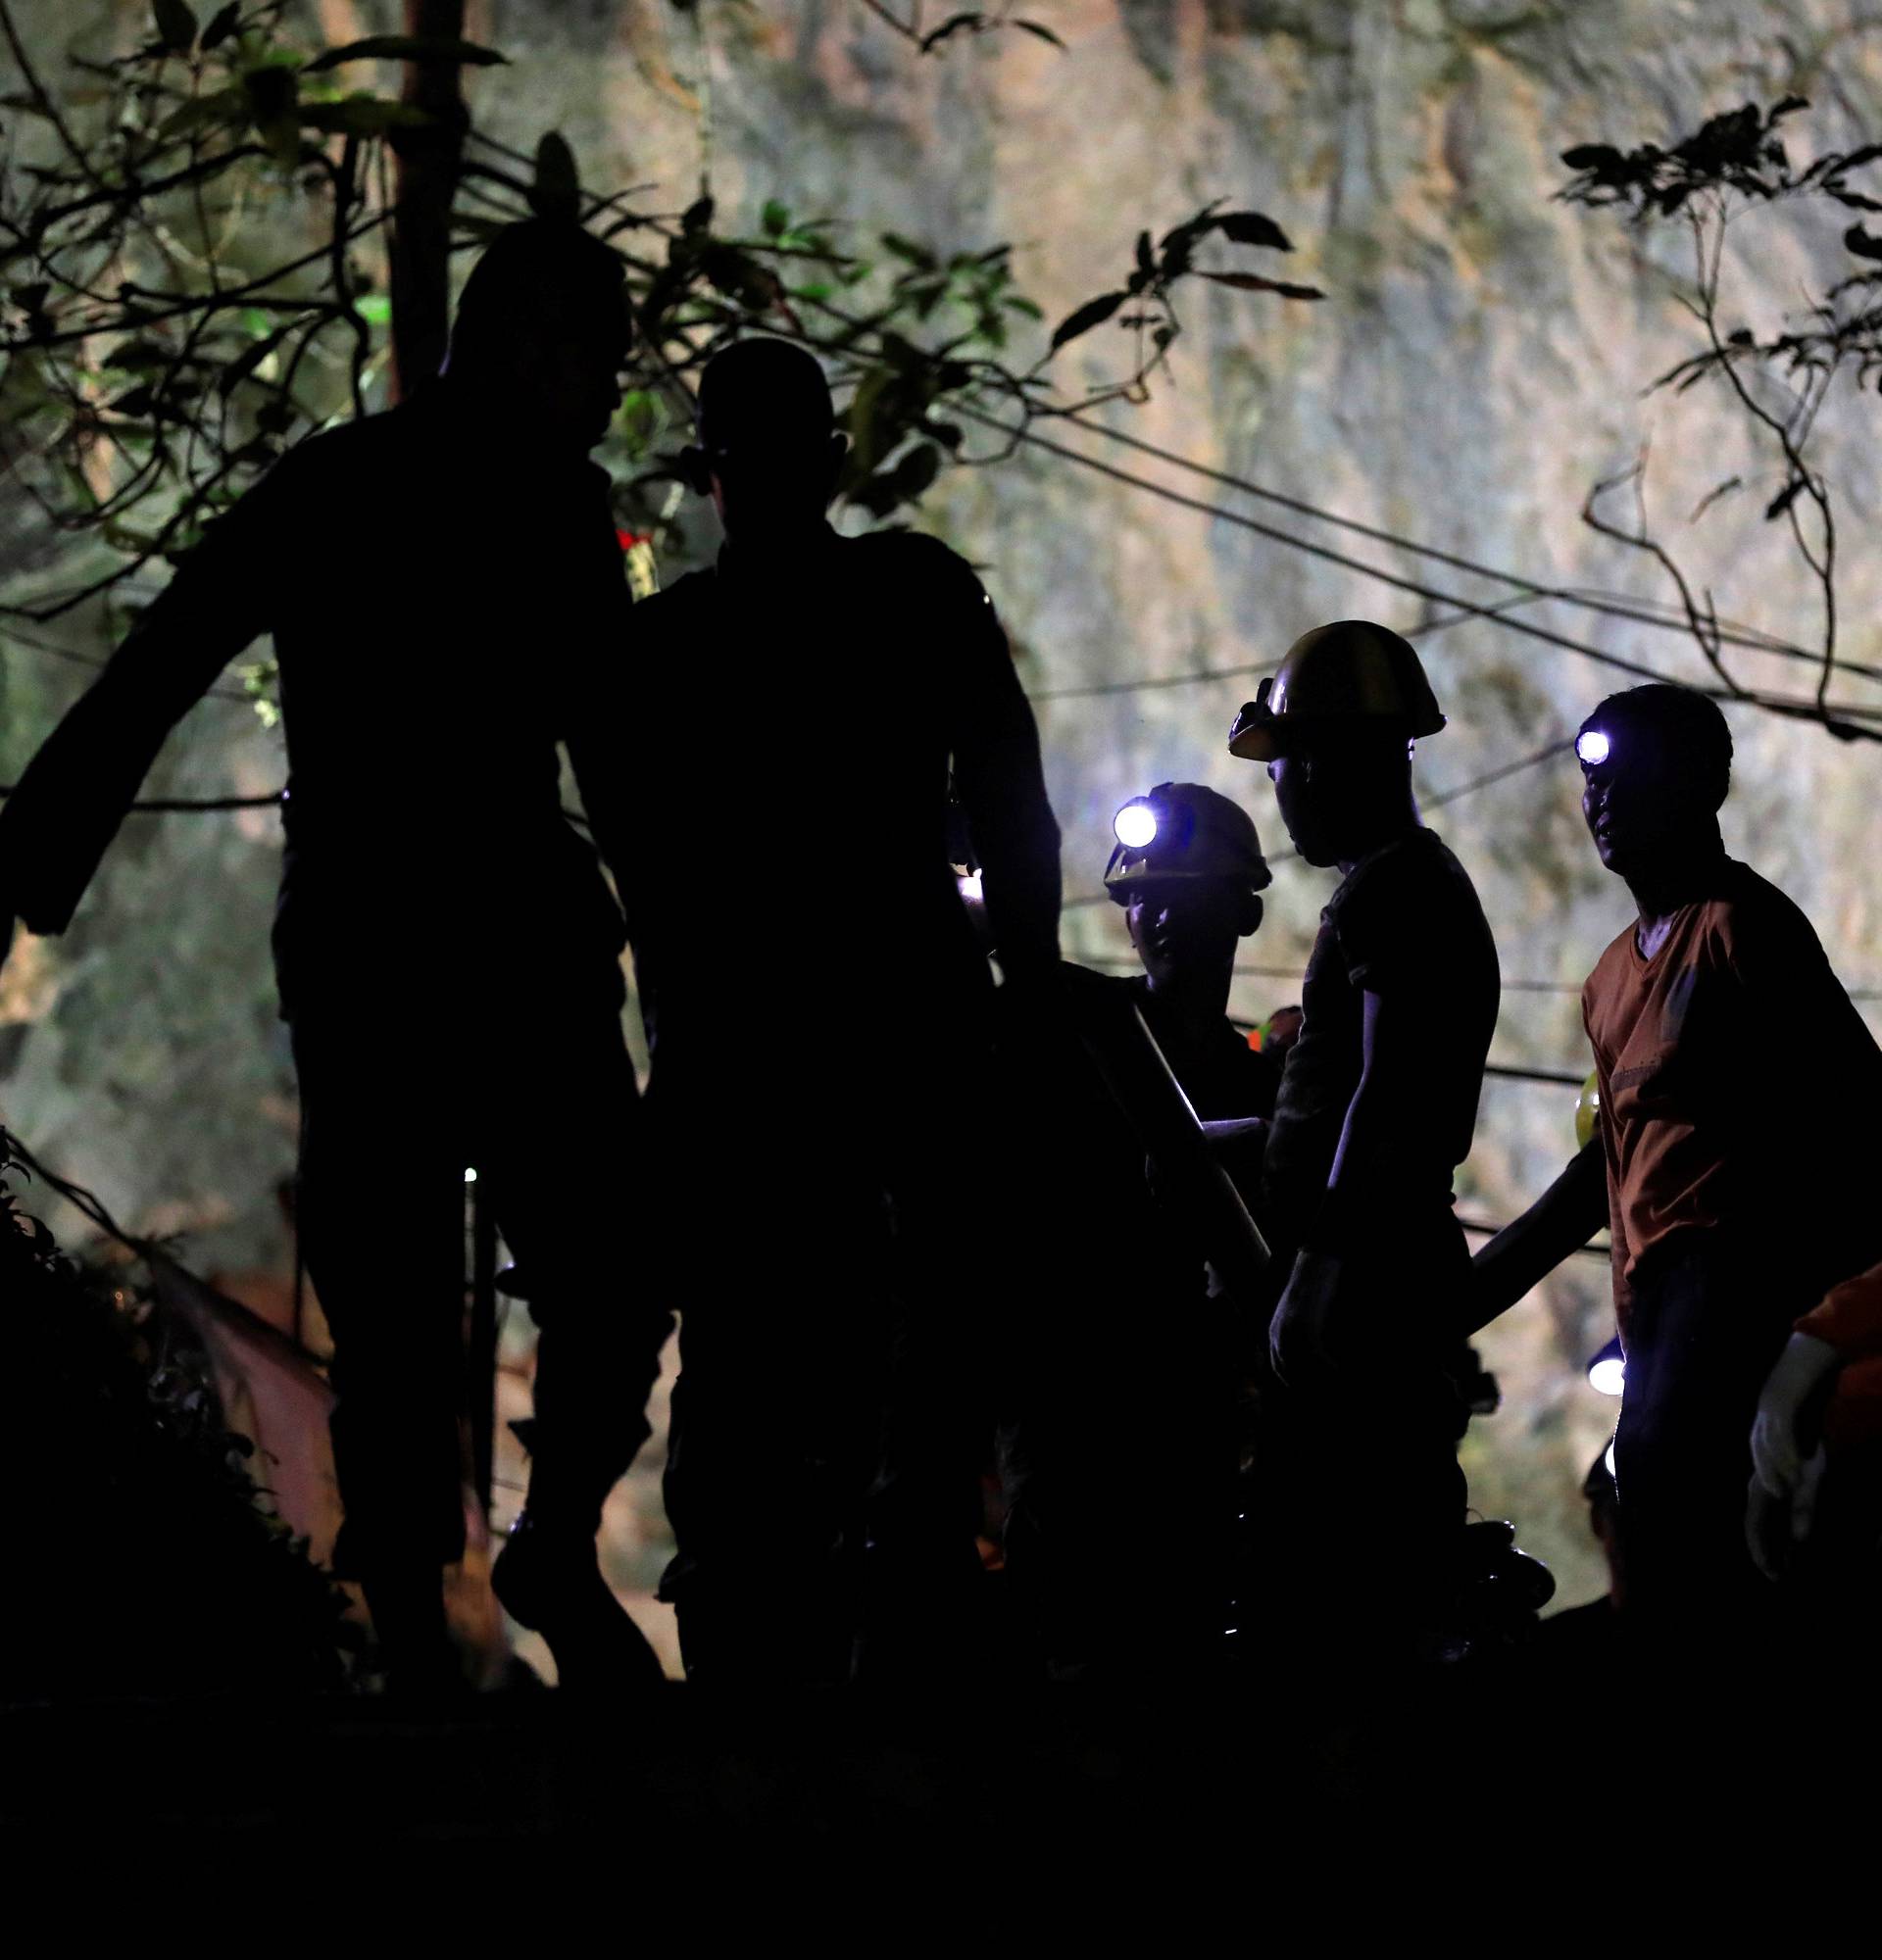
(1656, 765)
(769, 448)
(1335, 726)
(543, 330)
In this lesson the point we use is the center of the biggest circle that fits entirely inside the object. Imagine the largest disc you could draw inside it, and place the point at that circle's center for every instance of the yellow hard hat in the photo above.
(1342, 678)
(1184, 830)
(1588, 1112)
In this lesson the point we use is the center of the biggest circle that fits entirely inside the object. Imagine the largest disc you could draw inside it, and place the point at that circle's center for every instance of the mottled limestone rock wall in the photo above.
(1477, 364)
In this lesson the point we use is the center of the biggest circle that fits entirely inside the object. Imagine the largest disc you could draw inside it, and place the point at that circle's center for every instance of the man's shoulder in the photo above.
(1607, 971)
(913, 555)
(1742, 902)
(677, 601)
(1418, 869)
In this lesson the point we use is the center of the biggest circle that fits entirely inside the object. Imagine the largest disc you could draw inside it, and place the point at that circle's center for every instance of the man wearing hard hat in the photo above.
(1376, 1109)
(1095, 1455)
(1189, 873)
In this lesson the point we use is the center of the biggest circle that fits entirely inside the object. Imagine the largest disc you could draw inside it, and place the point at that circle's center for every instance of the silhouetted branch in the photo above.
(1734, 163)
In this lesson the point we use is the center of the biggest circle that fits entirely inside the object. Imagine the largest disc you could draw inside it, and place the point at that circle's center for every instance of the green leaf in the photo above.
(1250, 228)
(363, 115)
(175, 24)
(1253, 282)
(917, 255)
(1590, 157)
(916, 470)
(1044, 32)
(252, 357)
(697, 217)
(1864, 244)
(1018, 302)
(555, 191)
(139, 356)
(225, 105)
(222, 25)
(374, 308)
(406, 47)
(775, 218)
(1094, 313)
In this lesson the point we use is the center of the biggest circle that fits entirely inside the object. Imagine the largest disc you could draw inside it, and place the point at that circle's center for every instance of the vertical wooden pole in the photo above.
(426, 182)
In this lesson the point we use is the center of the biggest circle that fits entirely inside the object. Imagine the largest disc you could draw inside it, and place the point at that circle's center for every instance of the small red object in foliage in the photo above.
(1255, 1040)
(629, 539)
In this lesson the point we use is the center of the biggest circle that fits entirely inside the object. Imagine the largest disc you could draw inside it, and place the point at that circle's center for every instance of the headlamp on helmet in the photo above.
(1153, 820)
(1182, 831)
(1593, 747)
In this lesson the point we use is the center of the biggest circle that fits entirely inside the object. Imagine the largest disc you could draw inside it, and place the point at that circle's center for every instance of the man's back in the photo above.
(1733, 1069)
(440, 613)
(827, 700)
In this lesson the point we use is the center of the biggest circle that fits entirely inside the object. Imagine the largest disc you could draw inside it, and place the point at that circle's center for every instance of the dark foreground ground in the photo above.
(1062, 1786)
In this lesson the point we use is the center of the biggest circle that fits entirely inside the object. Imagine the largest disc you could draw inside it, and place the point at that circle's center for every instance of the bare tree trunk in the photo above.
(426, 182)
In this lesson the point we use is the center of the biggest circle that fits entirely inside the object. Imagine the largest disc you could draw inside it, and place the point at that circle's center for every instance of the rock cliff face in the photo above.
(1477, 365)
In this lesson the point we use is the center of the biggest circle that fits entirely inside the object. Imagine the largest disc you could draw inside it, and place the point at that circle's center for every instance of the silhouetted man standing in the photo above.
(1377, 1104)
(1118, 1433)
(444, 586)
(819, 1007)
(1731, 1213)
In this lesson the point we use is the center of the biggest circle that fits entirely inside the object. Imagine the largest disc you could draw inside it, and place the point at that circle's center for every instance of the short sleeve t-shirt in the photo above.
(1738, 1087)
(1405, 923)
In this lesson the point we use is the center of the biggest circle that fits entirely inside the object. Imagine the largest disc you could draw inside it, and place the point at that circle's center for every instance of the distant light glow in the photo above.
(1608, 1375)
(1593, 747)
(470, 1175)
(1135, 824)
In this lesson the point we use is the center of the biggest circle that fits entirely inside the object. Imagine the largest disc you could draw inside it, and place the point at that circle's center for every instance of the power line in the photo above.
(1500, 773)
(1614, 607)
(169, 805)
(1789, 707)
(1092, 689)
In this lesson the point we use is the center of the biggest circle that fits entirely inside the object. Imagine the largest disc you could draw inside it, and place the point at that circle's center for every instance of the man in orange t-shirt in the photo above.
(1730, 1215)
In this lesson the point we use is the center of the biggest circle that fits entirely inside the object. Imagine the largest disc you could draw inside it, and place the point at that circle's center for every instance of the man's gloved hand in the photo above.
(1787, 1452)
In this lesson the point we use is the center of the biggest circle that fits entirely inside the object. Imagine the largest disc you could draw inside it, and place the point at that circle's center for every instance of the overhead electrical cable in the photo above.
(1839, 721)
(1640, 612)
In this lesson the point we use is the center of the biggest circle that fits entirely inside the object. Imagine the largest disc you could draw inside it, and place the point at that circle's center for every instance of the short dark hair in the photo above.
(768, 387)
(1687, 724)
(540, 275)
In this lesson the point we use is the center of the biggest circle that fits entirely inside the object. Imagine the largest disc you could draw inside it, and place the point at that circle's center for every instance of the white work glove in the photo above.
(1787, 1452)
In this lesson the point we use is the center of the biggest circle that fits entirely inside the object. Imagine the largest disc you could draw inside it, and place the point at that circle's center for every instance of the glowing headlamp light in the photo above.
(1608, 1371)
(1593, 747)
(1135, 824)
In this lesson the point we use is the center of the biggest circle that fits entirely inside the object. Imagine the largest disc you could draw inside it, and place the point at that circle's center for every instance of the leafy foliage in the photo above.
(143, 1561)
(1736, 162)
(195, 276)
